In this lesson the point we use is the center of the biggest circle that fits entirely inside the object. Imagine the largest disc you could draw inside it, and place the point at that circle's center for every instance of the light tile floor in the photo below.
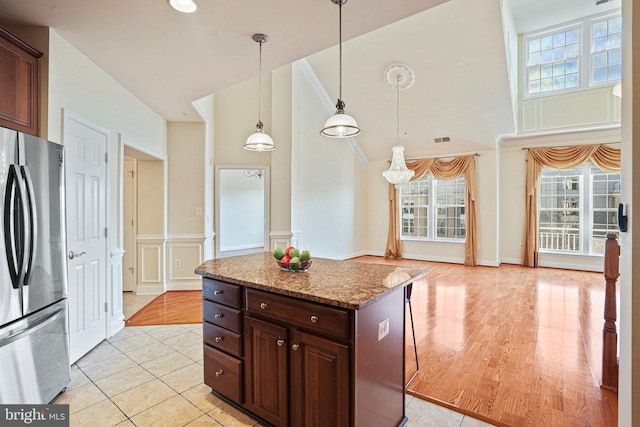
(132, 303)
(153, 376)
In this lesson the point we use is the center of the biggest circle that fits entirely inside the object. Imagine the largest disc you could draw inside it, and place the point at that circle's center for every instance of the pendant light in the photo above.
(259, 141)
(402, 77)
(340, 125)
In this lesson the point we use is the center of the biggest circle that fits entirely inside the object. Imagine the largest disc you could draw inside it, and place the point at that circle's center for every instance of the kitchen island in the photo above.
(318, 348)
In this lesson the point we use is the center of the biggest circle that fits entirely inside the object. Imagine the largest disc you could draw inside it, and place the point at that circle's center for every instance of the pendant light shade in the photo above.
(259, 141)
(340, 125)
(401, 77)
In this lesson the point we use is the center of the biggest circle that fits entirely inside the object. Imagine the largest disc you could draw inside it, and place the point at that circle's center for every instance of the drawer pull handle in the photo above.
(280, 343)
(264, 305)
(219, 316)
(295, 347)
(219, 373)
(218, 339)
(314, 319)
(217, 292)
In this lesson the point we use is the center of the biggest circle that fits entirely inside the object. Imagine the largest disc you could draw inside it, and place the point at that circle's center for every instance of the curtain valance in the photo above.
(459, 166)
(603, 156)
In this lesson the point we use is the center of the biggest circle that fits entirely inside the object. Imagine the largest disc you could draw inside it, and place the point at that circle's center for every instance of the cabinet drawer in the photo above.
(310, 316)
(222, 292)
(222, 339)
(221, 315)
(223, 373)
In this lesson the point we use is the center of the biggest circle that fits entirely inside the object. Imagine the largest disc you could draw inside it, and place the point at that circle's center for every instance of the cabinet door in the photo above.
(266, 371)
(320, 381)
(18, 84)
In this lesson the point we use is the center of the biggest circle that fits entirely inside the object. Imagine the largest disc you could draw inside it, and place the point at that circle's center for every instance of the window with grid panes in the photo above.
(432, 209)
(606, 48)
(573, 56)
(577, 208)
(553, 61)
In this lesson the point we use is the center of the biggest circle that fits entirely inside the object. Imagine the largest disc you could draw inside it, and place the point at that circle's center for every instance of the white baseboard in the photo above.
(579, 267)
(486, 263)
(185, 286)
(149, 289)
(242, 247)
(516, 261)
(434, 258)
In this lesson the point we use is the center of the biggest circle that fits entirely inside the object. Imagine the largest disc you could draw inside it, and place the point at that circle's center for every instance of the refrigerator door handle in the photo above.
(32, 228)
(13, 226)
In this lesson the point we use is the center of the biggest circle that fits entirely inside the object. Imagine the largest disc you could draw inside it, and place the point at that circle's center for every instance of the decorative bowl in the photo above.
(285, 266)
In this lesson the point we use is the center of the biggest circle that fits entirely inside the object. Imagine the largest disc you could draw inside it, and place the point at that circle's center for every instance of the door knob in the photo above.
(73, 255)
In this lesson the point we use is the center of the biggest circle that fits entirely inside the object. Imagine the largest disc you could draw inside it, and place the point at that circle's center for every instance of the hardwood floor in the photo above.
(173, 307)
(511, 345)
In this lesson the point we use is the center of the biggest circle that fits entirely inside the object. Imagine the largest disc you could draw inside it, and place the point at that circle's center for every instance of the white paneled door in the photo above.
(85, 156)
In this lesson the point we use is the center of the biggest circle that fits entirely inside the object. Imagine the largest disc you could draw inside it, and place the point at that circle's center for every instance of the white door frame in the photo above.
(139, 152)
(66, 117)
(130, 251)
(216, 215)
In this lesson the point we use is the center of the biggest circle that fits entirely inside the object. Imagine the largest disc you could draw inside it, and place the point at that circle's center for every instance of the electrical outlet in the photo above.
(178, 263)
(383, 329)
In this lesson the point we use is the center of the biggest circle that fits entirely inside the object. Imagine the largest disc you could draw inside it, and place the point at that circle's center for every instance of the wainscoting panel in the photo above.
(280, 239)
(150, 265)
(184, 254)
(583, 109)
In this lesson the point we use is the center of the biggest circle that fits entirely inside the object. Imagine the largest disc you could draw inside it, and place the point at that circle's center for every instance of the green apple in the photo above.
(278, 253)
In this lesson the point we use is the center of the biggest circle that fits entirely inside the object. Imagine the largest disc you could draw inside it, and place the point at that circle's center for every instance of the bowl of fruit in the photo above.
(292, 259)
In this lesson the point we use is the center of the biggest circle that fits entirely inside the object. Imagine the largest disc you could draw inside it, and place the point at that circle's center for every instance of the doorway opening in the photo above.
(143, 225)
(242, 210)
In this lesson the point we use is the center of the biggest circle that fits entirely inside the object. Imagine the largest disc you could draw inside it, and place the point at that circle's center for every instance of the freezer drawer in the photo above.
(34, 357)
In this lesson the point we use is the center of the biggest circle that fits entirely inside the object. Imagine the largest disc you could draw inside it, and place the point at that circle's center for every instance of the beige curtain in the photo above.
(605, 157)
(460, 166)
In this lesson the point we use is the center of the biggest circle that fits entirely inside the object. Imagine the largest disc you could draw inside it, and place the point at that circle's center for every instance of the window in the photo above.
(577, 55)
(606, 45)
(577, 208)
(432, 209)
(553, 61)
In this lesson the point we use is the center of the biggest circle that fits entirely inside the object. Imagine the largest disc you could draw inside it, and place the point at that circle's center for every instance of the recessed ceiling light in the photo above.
(184, 6)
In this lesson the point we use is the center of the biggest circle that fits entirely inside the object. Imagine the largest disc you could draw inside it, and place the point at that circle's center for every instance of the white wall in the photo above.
(328, 201)
(187, 218)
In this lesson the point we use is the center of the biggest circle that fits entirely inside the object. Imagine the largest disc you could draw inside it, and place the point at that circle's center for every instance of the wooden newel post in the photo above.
(609, 332)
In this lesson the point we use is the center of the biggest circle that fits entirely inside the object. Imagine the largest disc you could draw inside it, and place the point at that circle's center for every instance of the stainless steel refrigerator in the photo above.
(34, 337)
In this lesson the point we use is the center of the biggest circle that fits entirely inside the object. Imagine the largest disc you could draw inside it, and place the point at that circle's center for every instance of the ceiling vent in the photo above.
(443, 139)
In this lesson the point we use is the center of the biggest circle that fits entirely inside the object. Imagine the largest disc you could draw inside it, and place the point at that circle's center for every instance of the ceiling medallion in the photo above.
(399, 76)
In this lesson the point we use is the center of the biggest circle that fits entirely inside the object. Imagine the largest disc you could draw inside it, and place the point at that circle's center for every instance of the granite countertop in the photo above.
(347, 284)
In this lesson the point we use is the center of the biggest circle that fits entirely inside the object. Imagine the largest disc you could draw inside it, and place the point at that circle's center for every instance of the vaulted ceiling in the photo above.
(455, 47)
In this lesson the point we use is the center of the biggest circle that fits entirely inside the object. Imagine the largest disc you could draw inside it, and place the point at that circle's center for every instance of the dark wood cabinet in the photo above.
(18, 84)
(294, 362)
(319, 381)
(266, 370)
(222, 336)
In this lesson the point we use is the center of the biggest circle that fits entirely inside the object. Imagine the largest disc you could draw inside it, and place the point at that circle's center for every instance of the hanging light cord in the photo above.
(398, 109)
(340, 42)
(260, 87)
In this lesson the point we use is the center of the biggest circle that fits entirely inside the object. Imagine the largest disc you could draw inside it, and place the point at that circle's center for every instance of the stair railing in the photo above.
(609, 332)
